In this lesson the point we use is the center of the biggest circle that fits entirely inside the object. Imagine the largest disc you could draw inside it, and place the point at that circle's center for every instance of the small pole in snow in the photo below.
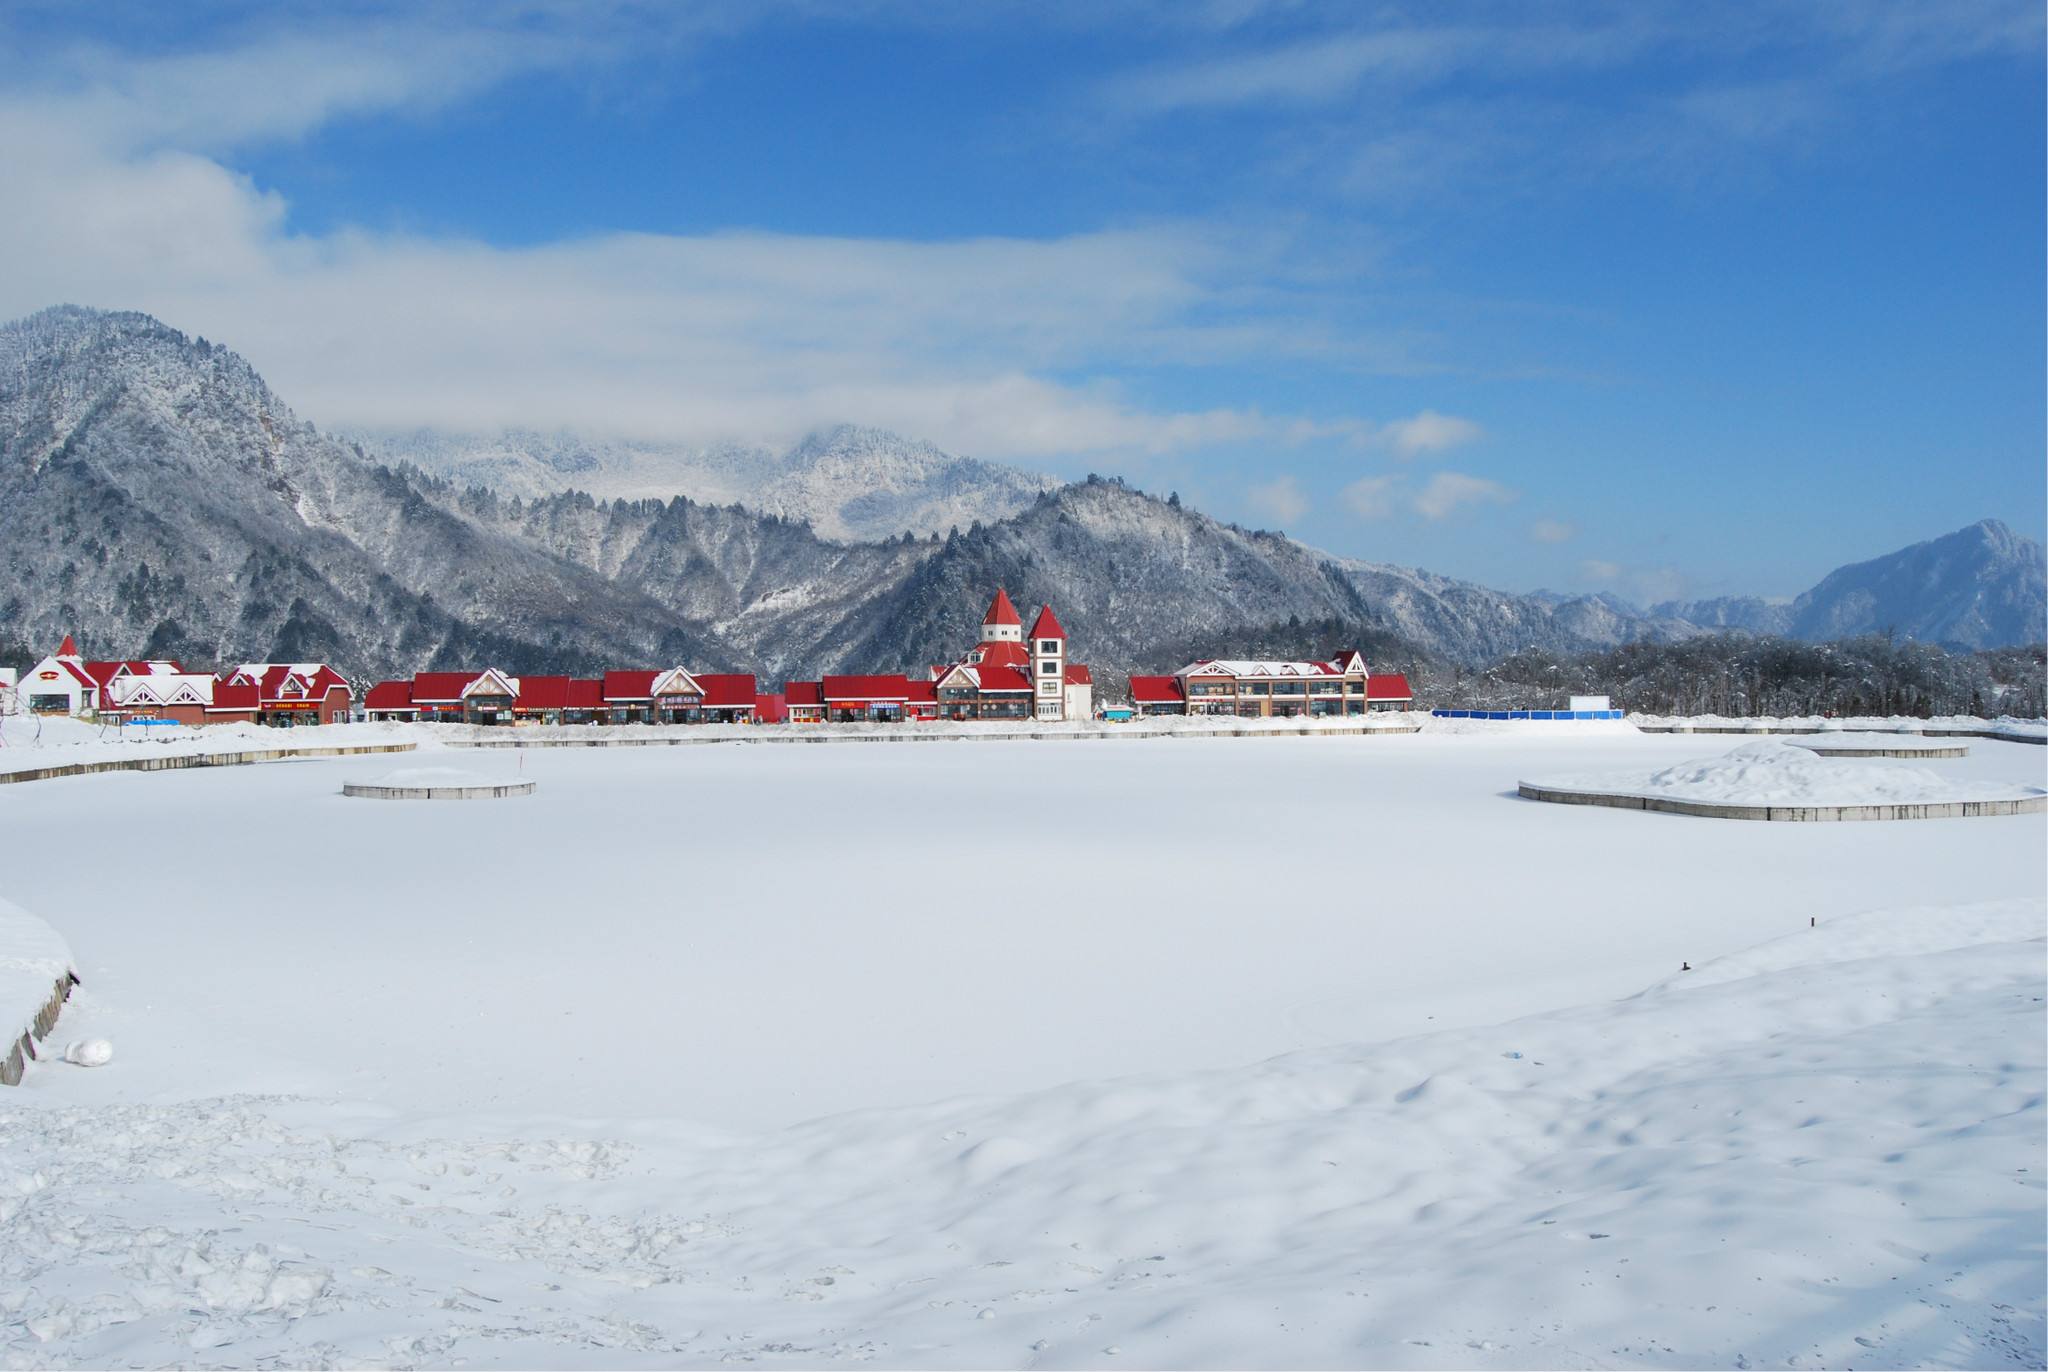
(1813, 921)
(1685, 967)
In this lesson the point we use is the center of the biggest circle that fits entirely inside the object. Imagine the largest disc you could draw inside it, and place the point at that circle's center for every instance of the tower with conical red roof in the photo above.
(1048, 665)
(1002, 624)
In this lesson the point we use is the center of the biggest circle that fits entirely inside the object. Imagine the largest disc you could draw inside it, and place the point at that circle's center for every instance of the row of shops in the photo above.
(1009, 674)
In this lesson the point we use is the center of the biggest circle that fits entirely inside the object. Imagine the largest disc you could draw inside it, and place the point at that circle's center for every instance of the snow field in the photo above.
(1826, 1151)
(805, 1055)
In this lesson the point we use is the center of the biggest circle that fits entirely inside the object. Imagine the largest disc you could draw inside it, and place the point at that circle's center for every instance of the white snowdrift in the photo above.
(1769, 772)
(1825, 1151)
(33, 958)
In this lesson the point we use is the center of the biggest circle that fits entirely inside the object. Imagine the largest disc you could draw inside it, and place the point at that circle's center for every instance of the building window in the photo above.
(1048, 669)
(1048, 645)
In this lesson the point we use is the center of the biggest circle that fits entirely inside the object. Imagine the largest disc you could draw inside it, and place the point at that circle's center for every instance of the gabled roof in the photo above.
(728, 690)
(1001, 611)
(958, 674)
(1077, 674)
(854, 690)
(1350, 662)
(1156, 690)
(1003, 679)
(103, 672)
(629, 686)
(803, 693)
(1387, 686)
(236, 695)
(290, 680)
(676, 681)
(1004, 654)
(492, 682)
(68, 648)
(1047, 625)
(385, 695)
(1239, 667)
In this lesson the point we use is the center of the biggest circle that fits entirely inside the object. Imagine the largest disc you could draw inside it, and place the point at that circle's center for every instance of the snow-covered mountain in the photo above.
(1980, 587)
(851, 484)
(156, 497)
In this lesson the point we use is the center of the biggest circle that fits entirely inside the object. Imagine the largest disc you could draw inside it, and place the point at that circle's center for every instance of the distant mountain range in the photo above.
(156, 497)
(1979, 587)
(851, 484)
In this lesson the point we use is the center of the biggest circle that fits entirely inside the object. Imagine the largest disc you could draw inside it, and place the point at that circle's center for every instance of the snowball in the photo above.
(89, 1053)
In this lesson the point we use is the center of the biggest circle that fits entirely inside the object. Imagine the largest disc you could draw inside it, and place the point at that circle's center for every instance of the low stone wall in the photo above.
(770, 733)
(1964, 809)
(171, 762)
(370, 790)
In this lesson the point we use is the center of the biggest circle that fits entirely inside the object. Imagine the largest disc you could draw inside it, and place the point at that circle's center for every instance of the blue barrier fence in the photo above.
(1530, 714)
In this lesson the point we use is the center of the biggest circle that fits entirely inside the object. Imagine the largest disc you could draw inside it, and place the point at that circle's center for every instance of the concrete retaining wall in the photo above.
(372, 791)
(1850, 750)
(767, 733)
(171, 762)
(23, 1050)
(1966, 809)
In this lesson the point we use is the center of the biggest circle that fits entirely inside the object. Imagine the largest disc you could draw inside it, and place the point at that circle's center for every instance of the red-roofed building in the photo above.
(1011, 675)
(390, 700)
(770, 708)
(1251, 689)
(66, 684)
(729, 697)
(851, 699)
(804, 701)
(290, 693)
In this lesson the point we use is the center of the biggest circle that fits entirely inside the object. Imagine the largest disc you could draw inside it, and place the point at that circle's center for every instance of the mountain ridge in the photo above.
(156, 496)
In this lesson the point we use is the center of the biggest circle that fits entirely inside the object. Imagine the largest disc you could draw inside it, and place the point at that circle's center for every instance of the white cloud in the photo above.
(1372, 497)
(1552, 531)
(1601, 573)
(1449, 491)
(1280, 499)
(119, 196)
(1429, 432)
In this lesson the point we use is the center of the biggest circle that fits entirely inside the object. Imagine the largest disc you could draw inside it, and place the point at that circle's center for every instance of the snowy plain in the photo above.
(1322, 1051)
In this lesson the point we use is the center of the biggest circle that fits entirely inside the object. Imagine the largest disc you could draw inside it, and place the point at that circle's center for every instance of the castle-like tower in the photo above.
(1002, 624)
(1048, 644)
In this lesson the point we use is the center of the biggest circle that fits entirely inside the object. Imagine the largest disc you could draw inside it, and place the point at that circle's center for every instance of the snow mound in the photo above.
(33, 959)
(1772, 773)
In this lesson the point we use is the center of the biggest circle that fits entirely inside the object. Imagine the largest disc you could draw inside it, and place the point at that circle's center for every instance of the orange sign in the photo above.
(46, 676)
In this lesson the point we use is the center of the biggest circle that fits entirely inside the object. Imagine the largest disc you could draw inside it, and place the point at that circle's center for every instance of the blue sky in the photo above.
(1658, 299)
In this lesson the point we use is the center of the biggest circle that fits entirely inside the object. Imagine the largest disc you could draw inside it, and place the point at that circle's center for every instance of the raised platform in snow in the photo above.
(1769, 780)
(1841, 744)
(437, 783)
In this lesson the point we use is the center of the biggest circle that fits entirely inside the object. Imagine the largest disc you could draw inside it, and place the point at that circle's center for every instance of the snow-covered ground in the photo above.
(569, 1082)
(1777, 773)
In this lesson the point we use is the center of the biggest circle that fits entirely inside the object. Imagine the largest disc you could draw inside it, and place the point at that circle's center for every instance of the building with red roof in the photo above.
(1252, 689)
(1014, 675)
(125, 689)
